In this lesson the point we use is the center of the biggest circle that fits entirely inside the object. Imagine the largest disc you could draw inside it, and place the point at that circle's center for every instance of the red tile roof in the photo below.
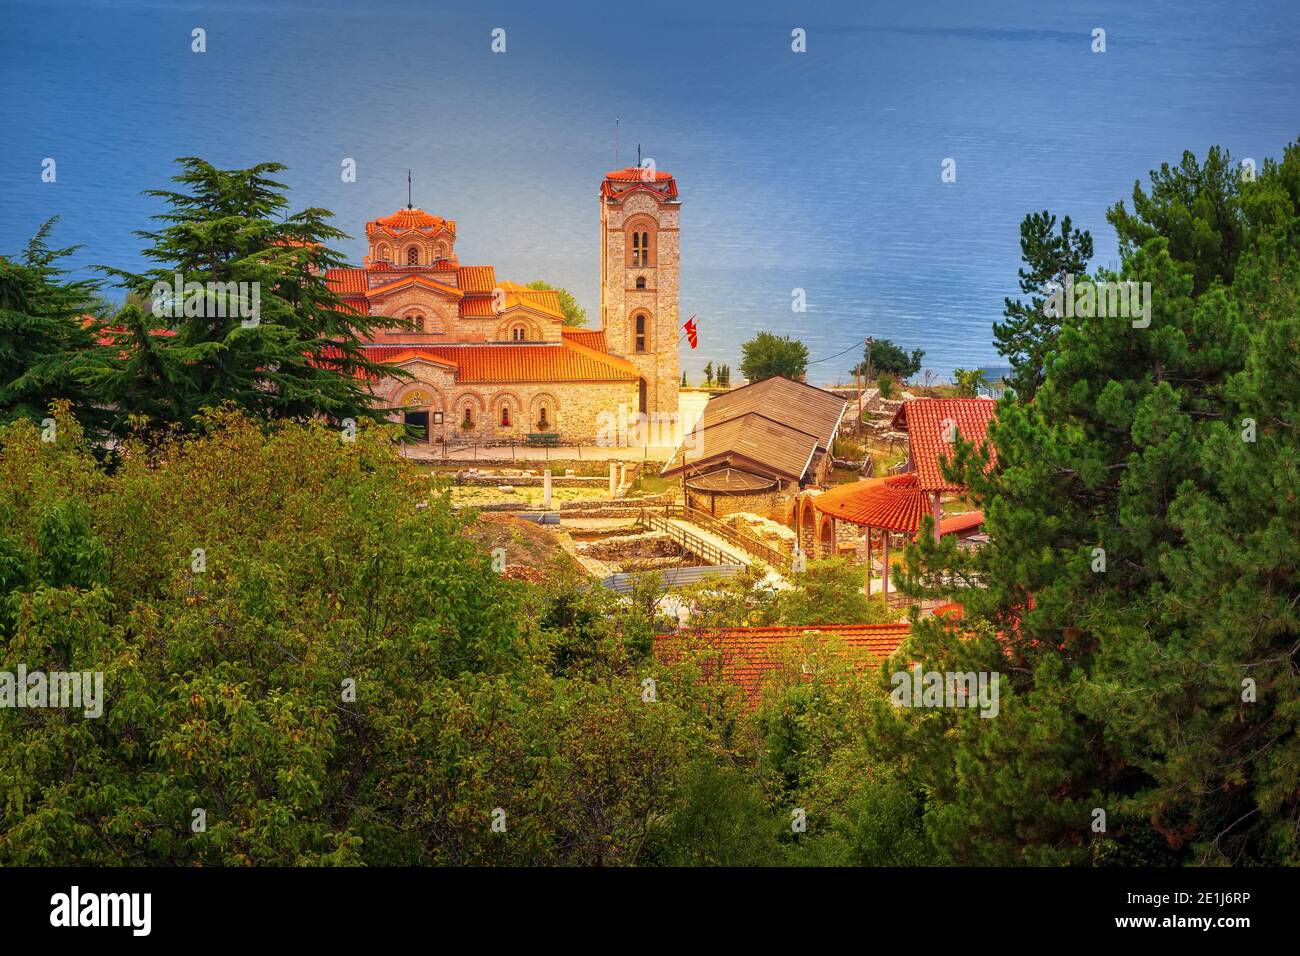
(405, 220)
(347, 281)
(895, 503)
(955, 524)
(516, 362)
(405, 281)
(476, 278)
(591, 338)
(620, 182)
(749, 656)
(926, 422)
(477, 307)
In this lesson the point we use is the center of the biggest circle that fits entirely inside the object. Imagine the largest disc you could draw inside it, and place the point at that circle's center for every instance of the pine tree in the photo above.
(46, 329)
(1142, 568)
(1027, 337)
(266, 333)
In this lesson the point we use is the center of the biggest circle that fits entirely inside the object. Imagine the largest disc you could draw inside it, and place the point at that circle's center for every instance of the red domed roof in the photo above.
(405, 220)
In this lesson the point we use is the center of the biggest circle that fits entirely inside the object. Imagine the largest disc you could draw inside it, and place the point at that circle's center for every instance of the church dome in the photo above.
(404, 220)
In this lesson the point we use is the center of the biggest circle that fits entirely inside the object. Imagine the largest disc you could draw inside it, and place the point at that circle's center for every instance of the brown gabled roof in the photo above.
(778, 423)
(776, 449)
(793, 404)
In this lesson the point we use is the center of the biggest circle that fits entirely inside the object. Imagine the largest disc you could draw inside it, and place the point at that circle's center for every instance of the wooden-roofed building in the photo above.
(777, 433)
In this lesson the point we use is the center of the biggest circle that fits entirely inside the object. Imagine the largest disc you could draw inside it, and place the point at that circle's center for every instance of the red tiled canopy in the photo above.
(929, 423)
(894, 503)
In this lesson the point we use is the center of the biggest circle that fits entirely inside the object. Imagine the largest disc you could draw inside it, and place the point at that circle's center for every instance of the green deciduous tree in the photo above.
(882, 355)
(767, 355)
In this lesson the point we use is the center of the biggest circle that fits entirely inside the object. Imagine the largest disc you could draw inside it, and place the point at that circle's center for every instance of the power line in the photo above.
(838, 354)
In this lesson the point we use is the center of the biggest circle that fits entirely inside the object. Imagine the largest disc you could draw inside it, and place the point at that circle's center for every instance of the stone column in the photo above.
(546, 489)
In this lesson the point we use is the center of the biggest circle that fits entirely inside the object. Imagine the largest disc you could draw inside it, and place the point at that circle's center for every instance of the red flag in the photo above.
(692, 333)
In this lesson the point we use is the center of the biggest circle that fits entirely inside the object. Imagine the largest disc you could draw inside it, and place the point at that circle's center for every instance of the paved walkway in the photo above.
(735, 554)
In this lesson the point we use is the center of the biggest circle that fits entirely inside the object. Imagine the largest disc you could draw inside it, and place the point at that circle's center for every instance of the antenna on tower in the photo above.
(638, 155)
(408, 189)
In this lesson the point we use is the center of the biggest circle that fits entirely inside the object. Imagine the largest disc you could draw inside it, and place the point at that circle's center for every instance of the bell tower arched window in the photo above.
(640, 282)
(639, 345)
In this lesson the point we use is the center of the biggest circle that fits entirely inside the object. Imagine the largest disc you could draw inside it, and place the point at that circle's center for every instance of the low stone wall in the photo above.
(526, 480)
(764, 529)
(651, 544)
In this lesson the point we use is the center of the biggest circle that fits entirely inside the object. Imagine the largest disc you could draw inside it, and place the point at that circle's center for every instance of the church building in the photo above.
(492, 360)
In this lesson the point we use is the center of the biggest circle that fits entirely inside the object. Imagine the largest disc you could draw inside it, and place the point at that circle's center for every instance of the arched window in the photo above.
(640, 282)
(468, 421)
(640, 333)
(383, 253)
(542, 421)
(417, 322)
(519, 333)
(413, 256)
(505, 415)
(636, 249)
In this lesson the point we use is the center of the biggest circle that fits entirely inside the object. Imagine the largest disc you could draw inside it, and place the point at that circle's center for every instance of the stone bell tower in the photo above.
(639, 285)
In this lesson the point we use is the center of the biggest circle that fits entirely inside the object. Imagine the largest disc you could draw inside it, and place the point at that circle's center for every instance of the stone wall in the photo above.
(573, 409)
(720, 505)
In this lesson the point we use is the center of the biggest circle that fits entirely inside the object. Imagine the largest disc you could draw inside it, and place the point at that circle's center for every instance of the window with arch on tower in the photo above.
(640, 282)
(640, 248)
(640, 332)
(413, 256)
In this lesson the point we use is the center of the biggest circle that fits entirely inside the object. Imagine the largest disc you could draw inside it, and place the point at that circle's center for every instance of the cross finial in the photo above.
(408, 189)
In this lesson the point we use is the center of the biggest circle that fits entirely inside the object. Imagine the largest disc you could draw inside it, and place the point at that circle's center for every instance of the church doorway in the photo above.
(418, 422)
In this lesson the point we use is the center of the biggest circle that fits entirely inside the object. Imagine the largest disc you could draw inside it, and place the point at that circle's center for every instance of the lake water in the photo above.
(818, 171)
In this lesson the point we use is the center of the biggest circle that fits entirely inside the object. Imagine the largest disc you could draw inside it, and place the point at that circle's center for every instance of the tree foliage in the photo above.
(574, 314)
(767, 355)
(228, 232)
(1027, 335)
